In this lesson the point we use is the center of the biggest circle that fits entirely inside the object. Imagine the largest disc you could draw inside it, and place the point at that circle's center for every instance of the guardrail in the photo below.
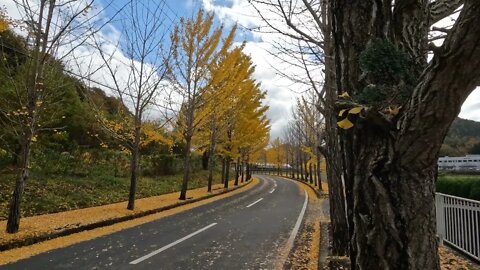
(458, 223)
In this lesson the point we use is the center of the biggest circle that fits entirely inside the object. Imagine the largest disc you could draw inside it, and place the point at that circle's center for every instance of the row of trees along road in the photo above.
(297, 154)
(187, 70)
(389, 91)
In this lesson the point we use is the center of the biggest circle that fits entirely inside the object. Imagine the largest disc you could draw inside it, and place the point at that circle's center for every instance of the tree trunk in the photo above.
(319, 174)
(242, 170)
(13, 223)
(338, 214)
(300, 159)
(211, 164)
(134, 165)
(310, 175)
(223, 170)
(315, 175)
(186, 169)
(249, 172)
(227, 173)
(392, 163)
(237, 172)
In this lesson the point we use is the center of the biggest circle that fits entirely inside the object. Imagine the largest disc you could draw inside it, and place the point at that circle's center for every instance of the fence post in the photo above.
(440, 217)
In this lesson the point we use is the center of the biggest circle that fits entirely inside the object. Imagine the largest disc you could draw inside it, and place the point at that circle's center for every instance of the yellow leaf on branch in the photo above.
(345, 124)
(394, 110)
(355, 110)
(344, 95)
(341, 112)
(3, 25)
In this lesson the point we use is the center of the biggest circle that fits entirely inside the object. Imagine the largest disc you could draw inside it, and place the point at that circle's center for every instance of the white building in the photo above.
(466, 163)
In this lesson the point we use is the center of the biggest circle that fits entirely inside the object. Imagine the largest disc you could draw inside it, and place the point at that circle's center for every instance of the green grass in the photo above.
(466, 186)
(50, 194)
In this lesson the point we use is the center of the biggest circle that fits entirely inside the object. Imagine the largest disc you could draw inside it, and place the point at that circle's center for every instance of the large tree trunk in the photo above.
(391, 162)
(336, 191)
(338, 214)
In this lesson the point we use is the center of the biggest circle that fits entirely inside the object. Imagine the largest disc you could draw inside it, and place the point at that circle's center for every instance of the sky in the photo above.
(281, 92)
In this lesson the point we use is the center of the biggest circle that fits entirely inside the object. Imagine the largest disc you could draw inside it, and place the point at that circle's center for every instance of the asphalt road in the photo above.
(244, 231)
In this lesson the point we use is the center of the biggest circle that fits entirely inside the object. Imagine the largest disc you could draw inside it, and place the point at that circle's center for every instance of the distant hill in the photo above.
(463, 138)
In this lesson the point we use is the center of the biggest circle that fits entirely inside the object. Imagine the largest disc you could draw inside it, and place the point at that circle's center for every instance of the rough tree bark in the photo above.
(391, 162)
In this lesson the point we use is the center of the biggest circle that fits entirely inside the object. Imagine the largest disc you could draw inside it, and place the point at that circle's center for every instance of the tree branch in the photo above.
(442, 8)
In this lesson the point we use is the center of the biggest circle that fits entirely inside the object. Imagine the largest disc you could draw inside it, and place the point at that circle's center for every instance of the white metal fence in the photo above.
(458, 223)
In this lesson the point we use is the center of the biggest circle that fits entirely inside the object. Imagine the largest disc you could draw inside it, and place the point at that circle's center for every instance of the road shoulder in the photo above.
(306, 250)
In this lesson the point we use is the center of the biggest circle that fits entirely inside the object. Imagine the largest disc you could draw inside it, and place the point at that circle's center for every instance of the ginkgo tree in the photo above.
(196, 46)
(246, 116)
(276, 154)
(226, 75)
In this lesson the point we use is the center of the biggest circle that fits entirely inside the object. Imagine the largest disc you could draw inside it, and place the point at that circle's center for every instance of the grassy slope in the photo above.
(55, 194)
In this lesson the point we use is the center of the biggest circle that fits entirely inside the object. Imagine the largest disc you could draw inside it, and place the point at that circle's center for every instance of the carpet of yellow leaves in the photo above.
(45, 224)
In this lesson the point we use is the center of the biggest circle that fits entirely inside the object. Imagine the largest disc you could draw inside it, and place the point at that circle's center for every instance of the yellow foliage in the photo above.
(3, 24)
(344, 95)
(355, 110)
(393, 110)
(345, 124)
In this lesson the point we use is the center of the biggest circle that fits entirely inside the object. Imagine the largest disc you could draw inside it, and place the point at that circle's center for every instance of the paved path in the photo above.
(245, 231)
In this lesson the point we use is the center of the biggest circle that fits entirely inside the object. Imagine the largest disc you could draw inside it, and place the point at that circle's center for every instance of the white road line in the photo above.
(254, 202)
(153, 253)
(271, 191)
(291, 239)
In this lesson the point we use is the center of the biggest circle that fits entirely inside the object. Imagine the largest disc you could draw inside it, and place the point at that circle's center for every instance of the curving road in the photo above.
(244, 231)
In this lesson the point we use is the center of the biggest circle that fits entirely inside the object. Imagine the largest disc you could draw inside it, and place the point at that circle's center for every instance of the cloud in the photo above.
(261, 46)
(471, 106)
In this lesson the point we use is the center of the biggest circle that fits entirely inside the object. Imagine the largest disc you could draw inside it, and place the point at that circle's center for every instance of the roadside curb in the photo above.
(317, 192)
(48, 236)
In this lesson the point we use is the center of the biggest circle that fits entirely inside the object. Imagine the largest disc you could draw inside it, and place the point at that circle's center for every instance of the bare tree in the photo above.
(137, 69)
